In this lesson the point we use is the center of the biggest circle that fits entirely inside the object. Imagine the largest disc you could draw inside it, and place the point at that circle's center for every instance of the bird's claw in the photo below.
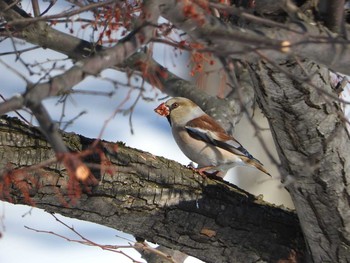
(203, 171)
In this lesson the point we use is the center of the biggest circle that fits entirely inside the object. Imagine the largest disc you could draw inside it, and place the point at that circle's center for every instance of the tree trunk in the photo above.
(314, 147)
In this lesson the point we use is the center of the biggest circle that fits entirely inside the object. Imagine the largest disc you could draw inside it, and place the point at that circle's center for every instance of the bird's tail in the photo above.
(257, 164)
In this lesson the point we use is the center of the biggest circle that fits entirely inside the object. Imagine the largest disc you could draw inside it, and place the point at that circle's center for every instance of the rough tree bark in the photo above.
(209, 219)
(314, 147)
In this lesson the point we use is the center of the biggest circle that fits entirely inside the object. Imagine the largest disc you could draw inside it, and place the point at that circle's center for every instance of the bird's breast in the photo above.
(200, 152)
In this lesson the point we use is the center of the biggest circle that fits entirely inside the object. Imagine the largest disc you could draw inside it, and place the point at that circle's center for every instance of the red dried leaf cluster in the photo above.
(190, 11)
(25, 182)
(18, 180)
(199, 58)
(115, 22)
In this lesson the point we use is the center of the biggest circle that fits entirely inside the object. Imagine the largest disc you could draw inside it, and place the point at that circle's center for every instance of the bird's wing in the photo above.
(206, 129)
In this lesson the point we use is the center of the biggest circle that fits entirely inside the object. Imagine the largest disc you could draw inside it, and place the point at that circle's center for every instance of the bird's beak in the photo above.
(162, 110)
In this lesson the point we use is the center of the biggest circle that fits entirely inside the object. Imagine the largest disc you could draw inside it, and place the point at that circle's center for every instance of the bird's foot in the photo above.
(201, 171)
(204, 171)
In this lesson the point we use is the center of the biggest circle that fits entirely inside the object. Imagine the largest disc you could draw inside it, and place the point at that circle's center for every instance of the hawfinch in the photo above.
(203, 140)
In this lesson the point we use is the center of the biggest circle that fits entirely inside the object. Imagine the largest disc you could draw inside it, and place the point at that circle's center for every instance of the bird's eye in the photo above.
(174, 105)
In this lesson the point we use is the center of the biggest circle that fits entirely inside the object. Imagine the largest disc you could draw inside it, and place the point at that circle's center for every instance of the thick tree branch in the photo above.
(150, 197)
(306, 40)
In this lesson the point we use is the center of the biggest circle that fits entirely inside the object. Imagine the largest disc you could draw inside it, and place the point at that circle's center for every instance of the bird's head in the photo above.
(179, 110)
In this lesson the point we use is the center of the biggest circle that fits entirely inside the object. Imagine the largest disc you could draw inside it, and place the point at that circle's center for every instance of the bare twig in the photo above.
(36, 8)
(52, 3)
(142, 247)
(16, 102)
(83, 240)
(16, 52)
(17, 112)
(16, 72)
(48, 128)
(26, 21)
